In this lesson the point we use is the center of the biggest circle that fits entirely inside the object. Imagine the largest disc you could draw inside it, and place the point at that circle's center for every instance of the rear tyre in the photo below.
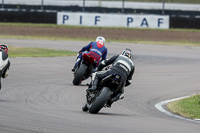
(100, 101)
(79, 74)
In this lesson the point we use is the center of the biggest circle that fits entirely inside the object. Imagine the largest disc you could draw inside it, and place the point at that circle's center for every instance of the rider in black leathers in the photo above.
(123, 65)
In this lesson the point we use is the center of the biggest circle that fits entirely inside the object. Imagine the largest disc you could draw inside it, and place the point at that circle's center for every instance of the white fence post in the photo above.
(163, 7)
(83, 8)
(42, 4)
(122, 6)
(2, 4)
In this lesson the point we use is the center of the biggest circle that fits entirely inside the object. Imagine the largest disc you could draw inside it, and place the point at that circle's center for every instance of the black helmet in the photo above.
(127, 52)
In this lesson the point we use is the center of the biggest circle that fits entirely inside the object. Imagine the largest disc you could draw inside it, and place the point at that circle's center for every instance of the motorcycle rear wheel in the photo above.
(78, 77)
(100, 101)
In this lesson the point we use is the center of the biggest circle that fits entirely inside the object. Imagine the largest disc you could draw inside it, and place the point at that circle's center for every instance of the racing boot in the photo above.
(94, 82)
(112, 100)
(108, 104)
(73, 69)
(76, 64)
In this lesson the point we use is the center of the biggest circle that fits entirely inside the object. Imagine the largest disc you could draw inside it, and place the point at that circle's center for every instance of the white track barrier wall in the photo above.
(113, 20)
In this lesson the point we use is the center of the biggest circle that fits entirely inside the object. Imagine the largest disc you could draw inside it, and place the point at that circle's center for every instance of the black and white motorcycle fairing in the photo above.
(4, 62)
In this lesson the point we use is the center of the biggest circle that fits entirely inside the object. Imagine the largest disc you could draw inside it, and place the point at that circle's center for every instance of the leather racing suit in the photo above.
(96, 49)
(121, 65)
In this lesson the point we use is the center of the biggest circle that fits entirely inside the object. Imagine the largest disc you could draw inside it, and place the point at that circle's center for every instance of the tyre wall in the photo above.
(28, 17)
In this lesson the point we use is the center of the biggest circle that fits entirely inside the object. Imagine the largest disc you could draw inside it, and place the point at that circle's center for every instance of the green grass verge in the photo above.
(177, 43)
(37, 52)
(36, 37)
(187, 107)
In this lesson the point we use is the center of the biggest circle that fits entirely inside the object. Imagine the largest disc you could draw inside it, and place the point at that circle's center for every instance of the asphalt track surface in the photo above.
(38, 95)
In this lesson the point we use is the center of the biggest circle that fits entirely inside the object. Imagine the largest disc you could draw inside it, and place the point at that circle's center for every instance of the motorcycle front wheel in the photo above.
(85, 108)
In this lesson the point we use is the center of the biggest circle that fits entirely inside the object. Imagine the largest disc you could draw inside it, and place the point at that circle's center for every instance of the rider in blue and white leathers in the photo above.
(96, 49)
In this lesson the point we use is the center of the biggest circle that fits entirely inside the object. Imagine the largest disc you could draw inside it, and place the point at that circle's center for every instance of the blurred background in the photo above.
(183, 13)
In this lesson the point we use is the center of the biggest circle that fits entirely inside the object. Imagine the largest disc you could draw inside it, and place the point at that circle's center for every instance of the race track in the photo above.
(38, 95)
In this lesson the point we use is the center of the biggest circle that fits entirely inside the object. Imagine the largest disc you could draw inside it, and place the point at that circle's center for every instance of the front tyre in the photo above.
(78, 77)
(100, 101)
(85, 108)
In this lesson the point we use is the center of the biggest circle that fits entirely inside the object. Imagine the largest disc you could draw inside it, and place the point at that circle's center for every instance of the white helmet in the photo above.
(100, 38)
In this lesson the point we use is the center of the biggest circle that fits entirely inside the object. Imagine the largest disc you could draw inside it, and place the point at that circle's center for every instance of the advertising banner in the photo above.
(113, 20)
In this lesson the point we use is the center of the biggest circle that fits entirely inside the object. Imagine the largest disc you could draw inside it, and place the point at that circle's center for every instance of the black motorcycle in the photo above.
(84, 69)
(98, 99)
